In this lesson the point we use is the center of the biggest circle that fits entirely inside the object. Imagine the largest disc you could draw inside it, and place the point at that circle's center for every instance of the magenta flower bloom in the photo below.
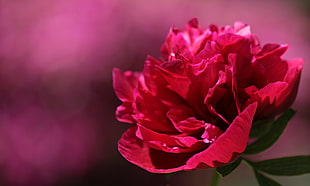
(194, 109)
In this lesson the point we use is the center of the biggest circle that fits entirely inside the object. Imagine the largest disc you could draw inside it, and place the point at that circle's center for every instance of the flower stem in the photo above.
(216, 178)
(167, 179)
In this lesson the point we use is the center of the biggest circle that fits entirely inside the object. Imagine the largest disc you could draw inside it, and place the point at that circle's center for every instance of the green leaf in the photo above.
(260, 128)
(227, 169)
(265, 181)
(288, 166)
(267, 140)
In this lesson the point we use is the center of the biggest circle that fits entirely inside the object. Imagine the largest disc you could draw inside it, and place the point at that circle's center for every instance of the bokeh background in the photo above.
(57, 104)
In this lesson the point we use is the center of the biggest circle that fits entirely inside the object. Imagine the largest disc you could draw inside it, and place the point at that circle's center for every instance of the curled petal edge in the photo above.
(223, 151)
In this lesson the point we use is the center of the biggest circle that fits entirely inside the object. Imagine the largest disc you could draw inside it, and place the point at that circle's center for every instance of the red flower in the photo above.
(195, 108)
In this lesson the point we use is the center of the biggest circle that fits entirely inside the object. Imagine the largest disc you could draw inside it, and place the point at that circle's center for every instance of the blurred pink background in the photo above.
(57, 124)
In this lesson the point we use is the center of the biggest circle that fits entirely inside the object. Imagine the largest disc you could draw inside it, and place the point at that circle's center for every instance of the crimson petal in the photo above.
(140, 154)
(229, 145)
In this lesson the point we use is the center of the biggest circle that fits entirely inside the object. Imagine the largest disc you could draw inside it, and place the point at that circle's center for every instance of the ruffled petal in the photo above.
(271, 49)
(242, 29)
(125, 84)
(183, 120)
(151, 112)
(292, 78)
(177, 43)
(125, 112)
(217, 154)
(140, 154)
(211, 133)
(266, 97)
(231, 43)
(213, 99)
(195, 108)
(157, 77)
(288, 94)
(228, 146)
(242, 69)
(276, 97)
(175, 75)
(169, 143)
(269, 68)
(210, 50)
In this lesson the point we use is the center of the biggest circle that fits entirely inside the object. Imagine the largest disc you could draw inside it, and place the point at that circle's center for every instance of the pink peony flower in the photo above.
(194, 109)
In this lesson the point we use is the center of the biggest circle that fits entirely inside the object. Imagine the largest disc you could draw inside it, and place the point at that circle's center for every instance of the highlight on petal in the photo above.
(211, 133)
(242, 29)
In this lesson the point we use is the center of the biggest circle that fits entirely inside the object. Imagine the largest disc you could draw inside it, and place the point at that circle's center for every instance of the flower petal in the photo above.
(268, 69)
(210, 49)
(288, 95)
(124, 84)
(211, 133)
(267, 97)
(176, 77)
(231, 43)
(242, 29)
(125, 112)
(151, 112)
(183, 120)
(271, 49)
(217, 154)
(229, 145)
(169, 143)
(176, 43)
(140, 154)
